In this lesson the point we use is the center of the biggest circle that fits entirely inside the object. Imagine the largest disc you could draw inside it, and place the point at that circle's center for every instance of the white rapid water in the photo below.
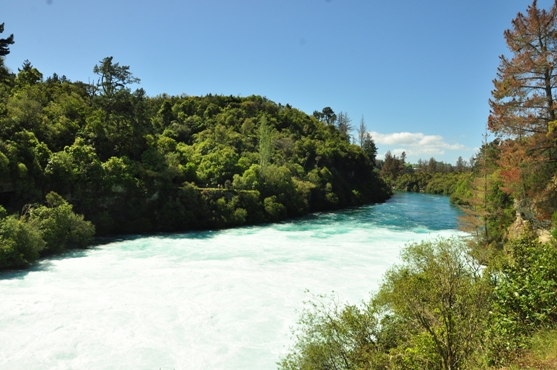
(208, 300)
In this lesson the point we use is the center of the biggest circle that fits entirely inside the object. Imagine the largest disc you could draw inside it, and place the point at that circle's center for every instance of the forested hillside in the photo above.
(131, 163)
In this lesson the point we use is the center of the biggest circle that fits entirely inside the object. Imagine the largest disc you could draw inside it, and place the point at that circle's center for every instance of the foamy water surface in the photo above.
(207, 300)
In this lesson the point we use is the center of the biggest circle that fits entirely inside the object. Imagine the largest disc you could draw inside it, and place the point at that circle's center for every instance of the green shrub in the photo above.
(60, 227)
(525, 294)
(275, 210)
(20, 242)
(429, 313)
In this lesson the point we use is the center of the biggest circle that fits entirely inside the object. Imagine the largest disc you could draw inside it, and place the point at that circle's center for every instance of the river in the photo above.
(206, 300)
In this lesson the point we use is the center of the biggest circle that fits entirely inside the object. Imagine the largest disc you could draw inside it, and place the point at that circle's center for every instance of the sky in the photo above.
(419, 73)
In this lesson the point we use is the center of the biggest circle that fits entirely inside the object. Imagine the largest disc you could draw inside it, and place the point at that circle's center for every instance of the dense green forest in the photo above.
(130, 163)
(488, 300)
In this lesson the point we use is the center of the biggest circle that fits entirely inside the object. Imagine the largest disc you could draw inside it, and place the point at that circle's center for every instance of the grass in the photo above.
(541, 355)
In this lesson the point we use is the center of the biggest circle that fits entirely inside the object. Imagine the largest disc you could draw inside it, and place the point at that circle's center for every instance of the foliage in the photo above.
(393, 166)
(326, 115)
(20, 242)
(554, 225)
(130, 163)
(112, 77)
(440, 291)
(4, 48)
(369, 147)
(265, 149)
(429, 313)
(433, 183)
(333, 336)
(488, 210)
(434, 166)
(544, 345)
(431, 176)
(523, 109)
(525, 293)
(41, 230)
(344, 125)
(440, 309)
(60, 227)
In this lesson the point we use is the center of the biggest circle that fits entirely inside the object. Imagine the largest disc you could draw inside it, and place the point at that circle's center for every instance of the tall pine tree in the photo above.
(523, 108)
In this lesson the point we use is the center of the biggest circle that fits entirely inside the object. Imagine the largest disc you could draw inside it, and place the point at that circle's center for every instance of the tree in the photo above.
(487, 211)
(344, 124)
(333, 336)
(20, 242)
(460, 165)
(113, 77)
(474, 219)
(28, 75)
(120, 125)
(432, 165)
(60, 226)
(429, 313)
(4, 43)
(440, 292)
(402, 163)
(523, 107)
(218, 166)
(362, 132)
(265, 147)
(369, 147)
(393, 165)
(523, 102)
(524, 294)
(4, 50)
(326, 115)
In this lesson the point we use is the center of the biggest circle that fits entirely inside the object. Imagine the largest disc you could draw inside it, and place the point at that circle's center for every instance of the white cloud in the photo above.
(416, 144)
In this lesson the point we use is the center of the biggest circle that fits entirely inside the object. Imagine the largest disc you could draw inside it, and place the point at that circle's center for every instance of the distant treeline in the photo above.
(432, 176)
(393, 166)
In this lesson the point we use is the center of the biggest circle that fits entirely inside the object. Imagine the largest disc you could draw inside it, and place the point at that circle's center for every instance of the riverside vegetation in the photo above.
(486, 301)
(83, 159)
(131, 163)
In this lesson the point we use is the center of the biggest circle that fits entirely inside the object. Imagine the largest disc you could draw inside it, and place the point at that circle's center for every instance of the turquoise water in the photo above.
(206, 300)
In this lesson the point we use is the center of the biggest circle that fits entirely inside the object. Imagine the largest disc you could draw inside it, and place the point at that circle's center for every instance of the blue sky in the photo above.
(419, 72)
